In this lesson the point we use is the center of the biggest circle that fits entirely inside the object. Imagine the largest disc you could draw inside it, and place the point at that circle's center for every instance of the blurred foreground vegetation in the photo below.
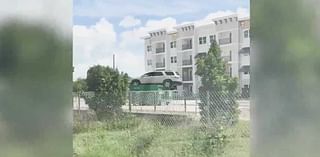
(35, 91)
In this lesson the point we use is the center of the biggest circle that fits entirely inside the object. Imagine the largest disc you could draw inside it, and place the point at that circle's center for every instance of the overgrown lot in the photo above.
(140, 137)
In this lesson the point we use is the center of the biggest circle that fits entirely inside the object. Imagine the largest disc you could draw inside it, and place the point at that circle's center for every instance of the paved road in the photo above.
(190, 109)
(175, 107)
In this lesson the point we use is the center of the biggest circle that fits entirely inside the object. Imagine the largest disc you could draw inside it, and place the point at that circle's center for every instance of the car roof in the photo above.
(161, 72)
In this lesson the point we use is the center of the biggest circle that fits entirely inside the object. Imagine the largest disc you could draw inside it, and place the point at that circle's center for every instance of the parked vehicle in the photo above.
(168, 79)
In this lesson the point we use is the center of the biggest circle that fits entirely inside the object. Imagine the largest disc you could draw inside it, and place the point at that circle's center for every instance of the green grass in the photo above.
(137, 137)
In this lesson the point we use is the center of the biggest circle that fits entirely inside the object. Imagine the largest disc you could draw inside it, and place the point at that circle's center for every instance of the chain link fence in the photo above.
(168, 124)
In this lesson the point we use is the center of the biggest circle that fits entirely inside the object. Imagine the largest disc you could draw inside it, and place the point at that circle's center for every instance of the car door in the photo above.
(146, 78)
(157, 78)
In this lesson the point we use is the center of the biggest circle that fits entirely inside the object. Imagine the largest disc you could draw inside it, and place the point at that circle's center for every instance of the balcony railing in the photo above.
(187, 62)
(186, 78)
(226, 58)
(160, 50)
(224, 41)
(186, 46)
(160, 65)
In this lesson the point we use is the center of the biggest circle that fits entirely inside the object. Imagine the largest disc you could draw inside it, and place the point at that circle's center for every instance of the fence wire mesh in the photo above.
(166, 124)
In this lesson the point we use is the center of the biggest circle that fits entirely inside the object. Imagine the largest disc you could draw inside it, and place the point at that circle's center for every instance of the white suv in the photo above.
(168, 79)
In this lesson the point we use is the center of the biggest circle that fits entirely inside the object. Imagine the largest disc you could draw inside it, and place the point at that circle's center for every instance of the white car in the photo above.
(168, 79)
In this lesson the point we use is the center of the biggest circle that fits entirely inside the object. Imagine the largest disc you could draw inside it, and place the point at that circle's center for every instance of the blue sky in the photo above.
(104, 27)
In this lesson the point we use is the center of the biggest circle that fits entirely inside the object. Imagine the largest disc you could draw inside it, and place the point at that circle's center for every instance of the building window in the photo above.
(212, 38)
(230, 55)
(246, 73)
(149, 48)
(246, 34)
(174, 59)
(173, 44)
(202, 40)
(149, 62)
(230, 72)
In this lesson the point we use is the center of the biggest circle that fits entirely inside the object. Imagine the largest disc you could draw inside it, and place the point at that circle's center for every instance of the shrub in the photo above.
(110, 91)
(209, 141)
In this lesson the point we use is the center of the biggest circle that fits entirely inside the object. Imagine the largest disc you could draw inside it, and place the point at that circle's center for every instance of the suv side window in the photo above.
(169, 73)
(148, 74)
(157, 74)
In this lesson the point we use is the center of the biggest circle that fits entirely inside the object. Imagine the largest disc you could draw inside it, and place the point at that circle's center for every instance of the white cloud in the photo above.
(129, 21)
(96, 44)
(92, 43)
(241, 12)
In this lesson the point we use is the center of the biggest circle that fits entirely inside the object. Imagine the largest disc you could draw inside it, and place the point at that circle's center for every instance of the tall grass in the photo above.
(139, 137)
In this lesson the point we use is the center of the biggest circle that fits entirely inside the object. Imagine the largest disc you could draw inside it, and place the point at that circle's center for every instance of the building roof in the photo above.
(184, 25)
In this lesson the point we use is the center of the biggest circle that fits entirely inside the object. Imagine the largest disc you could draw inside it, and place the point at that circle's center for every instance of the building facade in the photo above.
(178, 50)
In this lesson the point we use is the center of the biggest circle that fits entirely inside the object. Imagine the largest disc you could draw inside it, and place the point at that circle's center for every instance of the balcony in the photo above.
(160, 65)
(187, 74)
(187, 62)
(224, 41)
(186, 78)
(244, 68)
(226, 58)
(160, 50)
(186, 46)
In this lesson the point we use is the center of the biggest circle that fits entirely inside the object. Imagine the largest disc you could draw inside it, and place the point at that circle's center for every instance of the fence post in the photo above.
(196, 106)
(155, 102)
(130, 101)
(208, 107)
(79, 103)
(185, 102)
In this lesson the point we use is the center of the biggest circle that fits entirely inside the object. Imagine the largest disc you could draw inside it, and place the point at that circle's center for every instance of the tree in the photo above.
(218, 89)
(80, 86)
(110, 90)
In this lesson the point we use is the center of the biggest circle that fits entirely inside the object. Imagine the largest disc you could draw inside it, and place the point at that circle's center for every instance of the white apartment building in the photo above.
(178, 50)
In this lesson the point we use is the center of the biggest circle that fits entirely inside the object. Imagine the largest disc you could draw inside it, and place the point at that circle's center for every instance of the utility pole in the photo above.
(114, 61)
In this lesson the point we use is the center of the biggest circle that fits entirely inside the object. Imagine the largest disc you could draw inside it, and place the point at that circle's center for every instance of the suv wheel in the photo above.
(167, 84)
(135, 83)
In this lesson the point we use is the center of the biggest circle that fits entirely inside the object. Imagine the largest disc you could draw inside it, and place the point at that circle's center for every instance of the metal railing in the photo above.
(226, 58)
(186, 78)
(160, 65)
(160, 50)
(224, 41)
(186, 46)
(187, 62)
